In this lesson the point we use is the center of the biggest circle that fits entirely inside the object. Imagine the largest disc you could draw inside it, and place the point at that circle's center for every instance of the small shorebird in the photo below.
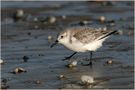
(82, 39)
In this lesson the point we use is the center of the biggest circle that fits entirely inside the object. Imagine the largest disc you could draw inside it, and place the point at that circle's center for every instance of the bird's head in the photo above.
(62, 38)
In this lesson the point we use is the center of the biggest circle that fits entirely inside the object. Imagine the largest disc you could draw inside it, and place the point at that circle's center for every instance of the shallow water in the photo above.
(45, 64)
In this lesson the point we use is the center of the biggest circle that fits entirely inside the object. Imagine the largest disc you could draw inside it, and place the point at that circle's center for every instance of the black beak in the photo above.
(54, 43)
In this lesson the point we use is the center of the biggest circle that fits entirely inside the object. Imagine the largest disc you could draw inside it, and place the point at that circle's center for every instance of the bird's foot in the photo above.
(66, 58)
(89, 64)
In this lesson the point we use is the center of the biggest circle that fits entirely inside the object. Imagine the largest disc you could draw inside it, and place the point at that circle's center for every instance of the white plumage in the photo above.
(82, 39)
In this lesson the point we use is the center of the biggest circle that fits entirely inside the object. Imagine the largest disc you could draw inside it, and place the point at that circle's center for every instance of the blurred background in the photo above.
(28, 28)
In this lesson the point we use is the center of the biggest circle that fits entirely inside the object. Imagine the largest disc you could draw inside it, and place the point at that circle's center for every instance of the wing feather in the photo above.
(88, 35)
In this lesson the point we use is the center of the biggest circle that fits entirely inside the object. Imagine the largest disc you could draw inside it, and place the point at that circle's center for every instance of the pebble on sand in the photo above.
(84, 22)
(109, 62)
(19, 14)
(72, 64)
(38, 82)
(49, 37)
(35, 19)
(87, 80)
(102, 19)
(51, 19)
(18, 70)
(61, 76)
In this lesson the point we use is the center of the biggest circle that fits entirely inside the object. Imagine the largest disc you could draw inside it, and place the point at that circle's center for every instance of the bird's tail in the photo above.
(108, 34)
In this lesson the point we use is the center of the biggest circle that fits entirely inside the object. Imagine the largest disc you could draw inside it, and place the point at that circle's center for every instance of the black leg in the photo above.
(70, 56)
(90, 60)
(90, 63)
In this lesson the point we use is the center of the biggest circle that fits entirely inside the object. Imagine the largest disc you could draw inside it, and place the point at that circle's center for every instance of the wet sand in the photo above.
(44, 65)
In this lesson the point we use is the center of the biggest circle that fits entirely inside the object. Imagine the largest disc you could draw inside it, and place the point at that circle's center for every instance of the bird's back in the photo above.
(83, 39)
(88, 34)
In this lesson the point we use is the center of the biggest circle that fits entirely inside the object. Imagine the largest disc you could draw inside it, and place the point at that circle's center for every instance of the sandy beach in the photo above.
(33, 33)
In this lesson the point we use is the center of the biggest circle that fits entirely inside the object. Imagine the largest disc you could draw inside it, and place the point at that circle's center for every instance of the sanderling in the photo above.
(82, 39)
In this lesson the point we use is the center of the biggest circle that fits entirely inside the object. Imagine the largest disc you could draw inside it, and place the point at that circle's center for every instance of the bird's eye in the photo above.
(62, 36)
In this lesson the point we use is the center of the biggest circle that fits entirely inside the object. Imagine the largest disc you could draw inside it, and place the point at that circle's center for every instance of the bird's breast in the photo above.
(75, 46)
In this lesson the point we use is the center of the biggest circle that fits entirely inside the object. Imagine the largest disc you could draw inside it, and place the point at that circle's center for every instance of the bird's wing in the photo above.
(87, 35)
